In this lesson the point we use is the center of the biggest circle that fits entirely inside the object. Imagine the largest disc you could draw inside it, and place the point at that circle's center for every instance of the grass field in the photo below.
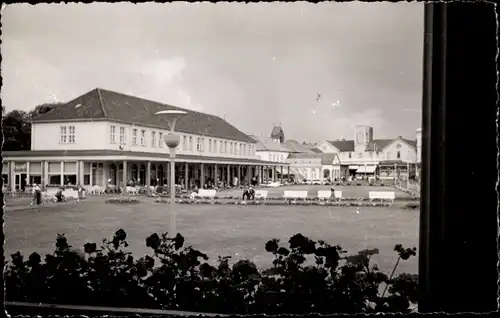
(237, 231)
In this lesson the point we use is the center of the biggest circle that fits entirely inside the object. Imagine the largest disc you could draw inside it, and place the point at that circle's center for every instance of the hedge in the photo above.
(175, 276)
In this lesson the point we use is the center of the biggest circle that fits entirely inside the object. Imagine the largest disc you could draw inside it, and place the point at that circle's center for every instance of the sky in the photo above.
(254, 64)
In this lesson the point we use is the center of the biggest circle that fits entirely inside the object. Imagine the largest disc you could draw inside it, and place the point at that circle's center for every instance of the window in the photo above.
(198, 144)
(202, 146)
(349, 155)
(143, 137)
(359, 155)
(160, 140)
(67, 135)
(398, 154)
(190, 143)
(63, 135)
(270, 157)
(71, 136)
(231, 149)
(209, 145)
(225, 146)
(134, 137)
(123, 141)
(241, 148)
(112, 134)
(215, 145)
(221, 146)
(184, 144)
(153, 139)
(244, 150)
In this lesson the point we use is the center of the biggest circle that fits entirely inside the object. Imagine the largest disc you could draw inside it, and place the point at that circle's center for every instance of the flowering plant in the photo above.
(122, 200)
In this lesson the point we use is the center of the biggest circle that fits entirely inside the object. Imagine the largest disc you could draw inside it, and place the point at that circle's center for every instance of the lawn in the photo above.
(238, 231)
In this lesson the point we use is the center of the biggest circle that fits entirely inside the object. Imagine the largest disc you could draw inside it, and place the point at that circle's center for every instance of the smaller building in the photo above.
(315, 166)
(272, 150)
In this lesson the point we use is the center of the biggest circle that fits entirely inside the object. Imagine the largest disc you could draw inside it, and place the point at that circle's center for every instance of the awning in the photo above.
(367, 169)
(353, 167)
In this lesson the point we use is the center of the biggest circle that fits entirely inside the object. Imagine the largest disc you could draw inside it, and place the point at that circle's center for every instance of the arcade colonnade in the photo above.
(18, 174)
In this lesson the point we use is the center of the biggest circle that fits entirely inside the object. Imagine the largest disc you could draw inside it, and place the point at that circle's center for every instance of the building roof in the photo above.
(375, 144)
(100, 104)
(267, 144)
(302, 155)
(278, 133)
(343, 145)
(327, 158)
(316, 150)
(296, 146)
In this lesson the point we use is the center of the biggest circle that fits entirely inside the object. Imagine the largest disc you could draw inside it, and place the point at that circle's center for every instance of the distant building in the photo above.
(366, 156)
(315, 166)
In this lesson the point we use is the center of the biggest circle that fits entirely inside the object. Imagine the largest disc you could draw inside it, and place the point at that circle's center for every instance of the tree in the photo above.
(16, 131)
(17, 127)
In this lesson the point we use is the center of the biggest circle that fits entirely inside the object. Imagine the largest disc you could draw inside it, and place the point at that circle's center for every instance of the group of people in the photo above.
(59, 196)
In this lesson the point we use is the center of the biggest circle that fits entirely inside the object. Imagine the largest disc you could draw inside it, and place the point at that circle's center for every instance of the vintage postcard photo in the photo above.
(212, 158)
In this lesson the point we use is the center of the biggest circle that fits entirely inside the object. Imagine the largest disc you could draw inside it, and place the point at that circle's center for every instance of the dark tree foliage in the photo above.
(16, 126)
(179, 277)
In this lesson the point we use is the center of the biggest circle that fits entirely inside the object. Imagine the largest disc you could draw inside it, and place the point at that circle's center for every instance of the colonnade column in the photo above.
(62, 173)
(202, 176)
(249, 175)
(28, 173)
(239, 173)
(12, 176)
(228, 175)
(45, 173)
(274, 173)
(125, 173)
(186, 175)
(216, 172)
(281, 168)
(288, 173)
(148, 178)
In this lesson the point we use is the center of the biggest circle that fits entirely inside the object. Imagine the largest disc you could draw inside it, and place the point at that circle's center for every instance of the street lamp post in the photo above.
(172, 141)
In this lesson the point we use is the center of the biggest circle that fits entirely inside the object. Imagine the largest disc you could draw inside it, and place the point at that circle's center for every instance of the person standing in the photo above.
(37, 195)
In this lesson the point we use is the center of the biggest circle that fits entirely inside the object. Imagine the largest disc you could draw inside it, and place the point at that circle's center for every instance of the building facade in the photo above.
(105, 137)
(315, 166)
(272, 149)
(366, 156)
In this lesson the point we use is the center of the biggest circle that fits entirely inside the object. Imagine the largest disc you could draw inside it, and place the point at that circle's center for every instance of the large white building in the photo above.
(104, 135)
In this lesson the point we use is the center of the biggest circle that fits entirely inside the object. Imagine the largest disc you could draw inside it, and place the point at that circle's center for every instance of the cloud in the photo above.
(373, 117)
(162, 80)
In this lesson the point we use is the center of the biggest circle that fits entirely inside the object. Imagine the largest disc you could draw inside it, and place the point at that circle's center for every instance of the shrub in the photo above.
(122, 200)
(412, 205)
(179, 277)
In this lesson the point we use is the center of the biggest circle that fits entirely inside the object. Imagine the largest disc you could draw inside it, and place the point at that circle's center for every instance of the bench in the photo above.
(95, 190)
(261, 194)
(382, 195)
(295, 195)
(70, 193)
(204, 193)
(327, 194)
(131, 190)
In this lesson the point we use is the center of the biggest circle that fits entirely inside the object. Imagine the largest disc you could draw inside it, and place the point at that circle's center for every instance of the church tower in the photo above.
(363, 135)
(277, 135)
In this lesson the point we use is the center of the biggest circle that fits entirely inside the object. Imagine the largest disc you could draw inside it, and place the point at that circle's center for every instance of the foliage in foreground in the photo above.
(178, 277)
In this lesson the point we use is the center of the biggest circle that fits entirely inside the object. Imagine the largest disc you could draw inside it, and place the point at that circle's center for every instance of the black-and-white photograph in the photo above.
(212, 158)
